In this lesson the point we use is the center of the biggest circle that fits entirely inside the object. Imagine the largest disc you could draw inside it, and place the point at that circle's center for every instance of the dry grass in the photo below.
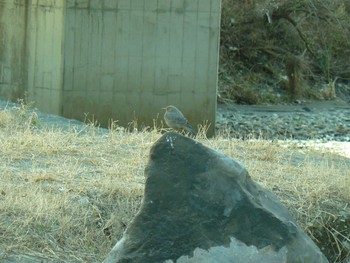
(68, 196)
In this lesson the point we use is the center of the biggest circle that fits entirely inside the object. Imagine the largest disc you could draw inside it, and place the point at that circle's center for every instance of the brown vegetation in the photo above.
(68, 196)
(287, 48)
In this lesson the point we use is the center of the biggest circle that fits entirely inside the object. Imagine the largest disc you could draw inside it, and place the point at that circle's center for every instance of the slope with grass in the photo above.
(67, 195)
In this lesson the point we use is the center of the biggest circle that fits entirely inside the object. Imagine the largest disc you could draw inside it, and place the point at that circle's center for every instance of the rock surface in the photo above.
(202, 206)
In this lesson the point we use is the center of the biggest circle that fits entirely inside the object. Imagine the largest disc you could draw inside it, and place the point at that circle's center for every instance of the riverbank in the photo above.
(308, 120)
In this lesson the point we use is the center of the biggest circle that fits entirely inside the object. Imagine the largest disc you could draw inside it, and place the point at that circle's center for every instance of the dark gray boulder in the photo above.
(202, 206)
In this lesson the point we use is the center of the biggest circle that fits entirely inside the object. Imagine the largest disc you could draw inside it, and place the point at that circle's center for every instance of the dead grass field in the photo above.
(67, 196)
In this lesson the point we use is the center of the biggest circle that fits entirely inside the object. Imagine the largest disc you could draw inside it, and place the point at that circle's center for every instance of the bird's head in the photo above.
(170, 108)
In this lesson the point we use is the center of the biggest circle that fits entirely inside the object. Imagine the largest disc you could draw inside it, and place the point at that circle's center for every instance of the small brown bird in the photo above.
(176, 120)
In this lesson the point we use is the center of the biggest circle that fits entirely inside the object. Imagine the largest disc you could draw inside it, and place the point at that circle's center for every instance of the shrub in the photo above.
(306, 42)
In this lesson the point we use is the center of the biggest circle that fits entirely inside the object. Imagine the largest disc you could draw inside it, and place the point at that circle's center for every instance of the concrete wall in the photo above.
(45, 43)
(12, 48)
(126, 59)
(112, 59)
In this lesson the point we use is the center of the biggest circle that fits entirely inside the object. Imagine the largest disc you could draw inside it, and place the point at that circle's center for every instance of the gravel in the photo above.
(327, 121)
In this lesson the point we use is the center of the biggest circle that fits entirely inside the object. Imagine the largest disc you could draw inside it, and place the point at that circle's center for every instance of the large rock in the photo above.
(202, 206)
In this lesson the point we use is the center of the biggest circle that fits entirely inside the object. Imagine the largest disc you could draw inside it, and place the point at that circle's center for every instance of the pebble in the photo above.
(327, 125)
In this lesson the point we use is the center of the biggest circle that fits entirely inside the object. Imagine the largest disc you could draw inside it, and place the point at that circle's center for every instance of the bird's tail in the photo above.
(190, 131)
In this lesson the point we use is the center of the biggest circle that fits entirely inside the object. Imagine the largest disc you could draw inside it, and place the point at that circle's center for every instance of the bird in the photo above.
(174, 118)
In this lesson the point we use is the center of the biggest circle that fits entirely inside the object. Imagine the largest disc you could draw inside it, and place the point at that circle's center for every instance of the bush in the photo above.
(291, 45)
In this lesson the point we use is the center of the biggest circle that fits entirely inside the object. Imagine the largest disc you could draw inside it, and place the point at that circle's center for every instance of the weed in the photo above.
(69, 195)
